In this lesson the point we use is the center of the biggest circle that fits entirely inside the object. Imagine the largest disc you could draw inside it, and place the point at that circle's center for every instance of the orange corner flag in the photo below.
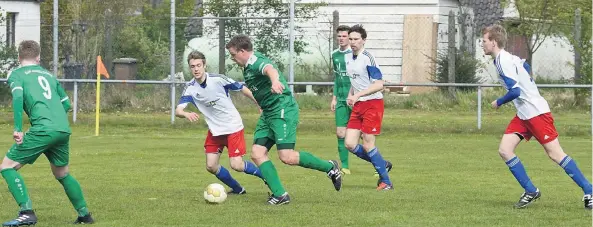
(101, 70)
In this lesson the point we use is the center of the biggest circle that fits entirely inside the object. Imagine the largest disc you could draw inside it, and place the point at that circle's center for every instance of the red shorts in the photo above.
(367, 116)
(541, 127)
(234, 142)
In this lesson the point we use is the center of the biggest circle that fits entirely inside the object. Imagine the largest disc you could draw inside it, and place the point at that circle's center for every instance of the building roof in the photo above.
(486, 12)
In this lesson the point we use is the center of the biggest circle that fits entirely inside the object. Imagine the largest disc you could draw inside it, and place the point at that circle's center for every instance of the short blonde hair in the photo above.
(497, 33)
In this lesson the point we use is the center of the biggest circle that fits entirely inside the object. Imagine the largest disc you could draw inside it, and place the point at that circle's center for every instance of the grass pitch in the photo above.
(143, 171)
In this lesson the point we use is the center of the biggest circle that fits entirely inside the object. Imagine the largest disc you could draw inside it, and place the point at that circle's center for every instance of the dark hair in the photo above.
(343, 28)
(358, 29)
(240, 42)
(29, 49)
(196, 55)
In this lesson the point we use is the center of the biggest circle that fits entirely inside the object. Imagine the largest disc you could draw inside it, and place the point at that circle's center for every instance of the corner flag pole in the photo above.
(98, 104)
(101, 70)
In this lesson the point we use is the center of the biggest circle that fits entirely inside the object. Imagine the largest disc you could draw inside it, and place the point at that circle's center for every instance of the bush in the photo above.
(466, 67)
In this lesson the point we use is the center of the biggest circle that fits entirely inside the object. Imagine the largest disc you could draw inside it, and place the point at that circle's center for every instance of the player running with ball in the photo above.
(210, 94)
(278, 122)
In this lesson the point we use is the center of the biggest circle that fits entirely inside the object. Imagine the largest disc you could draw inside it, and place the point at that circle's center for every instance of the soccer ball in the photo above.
(215, 193)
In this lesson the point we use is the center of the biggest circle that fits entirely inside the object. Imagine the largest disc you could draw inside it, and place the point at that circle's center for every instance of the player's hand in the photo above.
(333, 105)
(260, 110)
(18, 137)
(494, 104)
(192, 116)
(352, 99)
(277, 87)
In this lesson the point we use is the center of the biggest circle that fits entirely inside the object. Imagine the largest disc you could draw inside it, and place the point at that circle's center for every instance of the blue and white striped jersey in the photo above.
(363, 71)
(213, 101)
(513, 74)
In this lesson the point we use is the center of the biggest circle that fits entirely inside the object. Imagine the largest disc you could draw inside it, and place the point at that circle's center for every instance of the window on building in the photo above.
(10, 29)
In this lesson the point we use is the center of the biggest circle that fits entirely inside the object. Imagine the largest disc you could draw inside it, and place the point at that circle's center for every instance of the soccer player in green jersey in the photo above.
(339, 106)
(278, 122)
(40, 95)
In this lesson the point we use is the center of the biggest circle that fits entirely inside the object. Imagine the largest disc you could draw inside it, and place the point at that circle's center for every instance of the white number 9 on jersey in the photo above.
(45, 86)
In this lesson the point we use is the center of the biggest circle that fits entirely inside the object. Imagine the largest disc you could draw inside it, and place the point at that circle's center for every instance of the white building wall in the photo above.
(28, 20)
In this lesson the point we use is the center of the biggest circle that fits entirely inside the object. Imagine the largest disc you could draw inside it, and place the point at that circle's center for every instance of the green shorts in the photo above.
(342, 113)
(278, 128)
(55, 145)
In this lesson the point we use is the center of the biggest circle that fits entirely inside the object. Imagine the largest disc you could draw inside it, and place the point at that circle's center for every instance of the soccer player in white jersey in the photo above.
(366, 100)
(533, 118)
(210, 94)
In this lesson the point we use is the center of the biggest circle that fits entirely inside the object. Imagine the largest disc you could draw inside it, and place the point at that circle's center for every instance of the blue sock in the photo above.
(226, 178)
(359, 152)
(570, 166)
(518, 171)
(379, 164)
(251, 169)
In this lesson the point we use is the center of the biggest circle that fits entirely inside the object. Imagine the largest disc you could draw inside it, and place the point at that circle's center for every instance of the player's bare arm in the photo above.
(333, 104)
(271, 72)
(350, 97)
(190, 116)
(249, 95)
(376, 86)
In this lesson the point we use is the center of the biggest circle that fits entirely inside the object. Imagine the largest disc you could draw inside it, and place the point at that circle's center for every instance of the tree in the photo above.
(8, 61)
(114, 29)
(537, 20)
(270, 35)
(540, 19)
(102, 20)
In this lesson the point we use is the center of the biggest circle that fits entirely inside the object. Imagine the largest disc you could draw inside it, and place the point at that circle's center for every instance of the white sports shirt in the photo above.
(512, 74)
(213, 101)
(363, 71)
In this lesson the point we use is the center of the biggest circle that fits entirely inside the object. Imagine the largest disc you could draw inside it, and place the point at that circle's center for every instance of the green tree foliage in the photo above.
(114, 29)
(540, 19)
(8, 61)
(146, 38)
(270, 36)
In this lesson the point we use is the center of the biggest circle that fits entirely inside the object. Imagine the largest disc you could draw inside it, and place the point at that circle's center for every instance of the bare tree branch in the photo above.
(540, 23)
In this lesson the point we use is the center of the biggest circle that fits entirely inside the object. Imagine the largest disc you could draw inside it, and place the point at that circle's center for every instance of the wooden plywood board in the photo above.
(419, 45)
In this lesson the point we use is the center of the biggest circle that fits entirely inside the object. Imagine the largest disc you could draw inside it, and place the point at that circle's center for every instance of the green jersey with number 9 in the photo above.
(43, 96)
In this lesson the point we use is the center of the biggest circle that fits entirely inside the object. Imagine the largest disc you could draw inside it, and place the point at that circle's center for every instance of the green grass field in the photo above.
(143, 171)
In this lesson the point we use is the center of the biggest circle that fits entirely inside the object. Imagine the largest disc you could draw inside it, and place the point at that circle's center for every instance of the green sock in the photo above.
(74, 193)
(270, 174)
(17, 188)
(343, 152)
(307, 160)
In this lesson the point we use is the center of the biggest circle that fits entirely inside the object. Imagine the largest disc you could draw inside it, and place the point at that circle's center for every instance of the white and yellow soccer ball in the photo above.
(215, 193)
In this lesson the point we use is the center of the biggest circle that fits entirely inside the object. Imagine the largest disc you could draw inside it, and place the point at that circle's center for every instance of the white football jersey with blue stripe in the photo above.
(213, 101)
(363, 71)
(512, 73)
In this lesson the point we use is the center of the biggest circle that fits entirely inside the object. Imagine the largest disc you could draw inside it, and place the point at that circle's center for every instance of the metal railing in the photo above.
(172, 83)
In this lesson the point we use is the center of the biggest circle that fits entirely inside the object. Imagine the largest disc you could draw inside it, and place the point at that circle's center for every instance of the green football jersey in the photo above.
(261, 85)
(42, 98)
(341, 79)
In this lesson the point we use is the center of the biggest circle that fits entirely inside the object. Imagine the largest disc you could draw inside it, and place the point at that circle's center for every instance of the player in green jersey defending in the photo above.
(278, 122)
(341, 88)
(40, 95)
